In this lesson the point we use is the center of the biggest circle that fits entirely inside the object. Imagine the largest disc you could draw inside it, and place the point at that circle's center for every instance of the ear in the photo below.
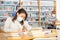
(17, 13)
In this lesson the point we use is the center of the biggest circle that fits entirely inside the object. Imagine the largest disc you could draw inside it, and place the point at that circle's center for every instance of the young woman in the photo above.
(17, 23)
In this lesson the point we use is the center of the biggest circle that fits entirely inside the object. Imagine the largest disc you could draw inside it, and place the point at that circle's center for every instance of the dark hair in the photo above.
(20, 11)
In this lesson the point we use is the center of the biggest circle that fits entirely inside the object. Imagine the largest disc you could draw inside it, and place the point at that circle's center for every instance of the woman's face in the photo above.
(22, 15)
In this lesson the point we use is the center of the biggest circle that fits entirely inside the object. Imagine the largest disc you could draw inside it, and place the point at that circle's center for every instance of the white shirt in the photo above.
(11, 26)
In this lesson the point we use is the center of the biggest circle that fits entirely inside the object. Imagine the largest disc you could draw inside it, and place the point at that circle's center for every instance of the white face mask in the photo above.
(19, 19)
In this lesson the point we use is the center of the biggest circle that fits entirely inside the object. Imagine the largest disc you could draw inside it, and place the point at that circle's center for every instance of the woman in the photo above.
(17, 23)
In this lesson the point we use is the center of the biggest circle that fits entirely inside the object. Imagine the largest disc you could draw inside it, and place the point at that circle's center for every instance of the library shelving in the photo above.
(40, 12)
(6, 9)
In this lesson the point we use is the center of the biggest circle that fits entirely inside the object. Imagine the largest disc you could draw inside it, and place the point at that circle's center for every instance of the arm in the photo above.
(27, 26)
(6, 25)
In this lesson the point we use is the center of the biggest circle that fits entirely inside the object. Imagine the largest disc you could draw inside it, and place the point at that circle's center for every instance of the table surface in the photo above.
(27, 37)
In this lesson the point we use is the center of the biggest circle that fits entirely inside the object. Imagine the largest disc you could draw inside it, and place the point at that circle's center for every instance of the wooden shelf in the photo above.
(57, 22)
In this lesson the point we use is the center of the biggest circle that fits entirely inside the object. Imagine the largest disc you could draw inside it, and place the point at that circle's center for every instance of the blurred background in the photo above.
(41, 14)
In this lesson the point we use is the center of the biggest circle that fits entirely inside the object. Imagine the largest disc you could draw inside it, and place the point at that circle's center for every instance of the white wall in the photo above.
(58, 9)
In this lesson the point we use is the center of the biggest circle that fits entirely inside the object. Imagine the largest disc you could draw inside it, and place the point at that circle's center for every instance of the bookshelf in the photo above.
(6, 9)
(38, 11)
(31, 7)
(48, 9)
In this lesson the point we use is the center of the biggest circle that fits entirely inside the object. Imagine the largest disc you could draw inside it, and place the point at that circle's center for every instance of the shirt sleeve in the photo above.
(27, 26)
(6, 25)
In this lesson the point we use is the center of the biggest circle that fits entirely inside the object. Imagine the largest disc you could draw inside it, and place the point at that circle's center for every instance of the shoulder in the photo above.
(9, 19)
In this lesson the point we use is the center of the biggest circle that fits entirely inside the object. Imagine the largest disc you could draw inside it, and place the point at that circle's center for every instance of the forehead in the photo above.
(22, 14)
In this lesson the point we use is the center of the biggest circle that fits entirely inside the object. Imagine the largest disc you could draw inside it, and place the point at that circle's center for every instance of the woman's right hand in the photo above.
(21, 32)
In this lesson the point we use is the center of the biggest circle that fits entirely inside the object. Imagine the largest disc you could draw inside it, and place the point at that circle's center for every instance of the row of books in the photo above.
(8, 2)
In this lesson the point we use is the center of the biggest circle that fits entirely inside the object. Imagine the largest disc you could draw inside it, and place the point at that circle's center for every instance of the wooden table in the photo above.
(26, 37)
